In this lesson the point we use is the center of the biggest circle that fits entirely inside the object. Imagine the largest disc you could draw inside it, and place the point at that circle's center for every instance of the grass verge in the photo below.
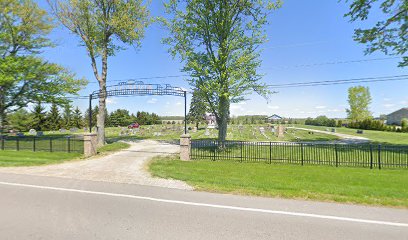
(29, 158)
(348, 185)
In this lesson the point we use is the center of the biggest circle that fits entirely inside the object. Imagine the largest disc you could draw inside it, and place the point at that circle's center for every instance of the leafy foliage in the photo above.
(218, 42)
(24, 77)
(102, 26)
(388, 35)
(359, 99)
(321, 121)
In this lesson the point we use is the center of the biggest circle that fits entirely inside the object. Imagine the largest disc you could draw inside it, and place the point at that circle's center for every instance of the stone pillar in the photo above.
(185, 147)
(90, 142)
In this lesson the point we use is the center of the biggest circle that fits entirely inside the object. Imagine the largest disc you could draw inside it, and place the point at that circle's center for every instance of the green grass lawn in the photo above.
(248, 133)
(351, 185)
(29, 158)
(375, 136)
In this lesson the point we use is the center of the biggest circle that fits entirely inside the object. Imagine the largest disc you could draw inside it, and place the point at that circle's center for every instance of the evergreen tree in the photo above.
(77, 118)
(39, 120)
(53, 118)
(67, 116)
(20, 120)
(198, 108)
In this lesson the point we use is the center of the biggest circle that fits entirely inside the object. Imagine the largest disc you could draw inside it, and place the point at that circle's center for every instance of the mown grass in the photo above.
(349, 185)
(10, 158)
(379, 137)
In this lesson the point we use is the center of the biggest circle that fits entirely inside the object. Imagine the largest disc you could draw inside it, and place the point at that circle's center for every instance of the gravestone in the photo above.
(19, 134)
(62, 130)
(194, 129)
(32, 132)
(207, 132)
(73, 130)
(281, 131)
(40, 134)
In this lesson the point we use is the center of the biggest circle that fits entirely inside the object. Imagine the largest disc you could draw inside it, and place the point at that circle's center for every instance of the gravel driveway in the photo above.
(127, 166)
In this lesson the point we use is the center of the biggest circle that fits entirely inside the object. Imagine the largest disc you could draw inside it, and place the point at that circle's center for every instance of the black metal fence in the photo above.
(48, 144)
(338, 155)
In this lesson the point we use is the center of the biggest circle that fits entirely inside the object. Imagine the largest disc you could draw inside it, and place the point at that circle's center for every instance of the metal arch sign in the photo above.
(139, 88)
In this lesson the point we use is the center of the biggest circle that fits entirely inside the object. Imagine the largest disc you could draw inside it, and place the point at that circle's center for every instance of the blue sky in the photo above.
(301, 32)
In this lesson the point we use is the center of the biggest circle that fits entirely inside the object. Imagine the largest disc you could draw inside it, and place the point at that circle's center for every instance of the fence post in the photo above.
(379, 156)
(270, 152)
(301, 148)
(69, 144)
(33, 144)
(90, 141)
(242, 157)
(215, 149)
(371, 156)
(337, 155)
(50, 144)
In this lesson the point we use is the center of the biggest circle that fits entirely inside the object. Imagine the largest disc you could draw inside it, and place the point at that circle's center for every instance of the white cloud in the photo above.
(387, 99)
(178, 103)
(273, 107)
(152, 101)
(404, 102)
(320, 107)
(389, 105)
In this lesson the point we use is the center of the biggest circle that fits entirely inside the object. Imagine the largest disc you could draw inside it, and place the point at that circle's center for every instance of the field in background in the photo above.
(351, 185)
(375, 136)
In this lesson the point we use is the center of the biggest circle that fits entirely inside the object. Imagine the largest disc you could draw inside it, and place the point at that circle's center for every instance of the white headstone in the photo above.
(32, 132)
(207, 132)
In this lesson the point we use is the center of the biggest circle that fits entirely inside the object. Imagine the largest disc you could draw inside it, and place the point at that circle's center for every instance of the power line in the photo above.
(342, 81)
(277, 67)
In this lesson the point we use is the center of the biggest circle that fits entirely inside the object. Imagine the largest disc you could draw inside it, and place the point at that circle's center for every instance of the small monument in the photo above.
(32, 132)
(281, 131)
(207, 132)
(62, 130)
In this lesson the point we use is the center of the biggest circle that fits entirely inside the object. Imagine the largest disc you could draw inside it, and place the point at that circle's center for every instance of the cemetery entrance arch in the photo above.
(138, 88)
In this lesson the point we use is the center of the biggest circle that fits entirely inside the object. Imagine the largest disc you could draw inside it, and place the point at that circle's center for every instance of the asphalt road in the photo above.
(34, 207)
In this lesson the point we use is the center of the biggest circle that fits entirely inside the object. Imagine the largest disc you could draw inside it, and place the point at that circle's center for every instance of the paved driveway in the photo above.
(127, 166)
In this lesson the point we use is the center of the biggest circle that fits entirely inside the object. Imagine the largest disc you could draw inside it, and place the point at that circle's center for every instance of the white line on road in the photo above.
(258, 210)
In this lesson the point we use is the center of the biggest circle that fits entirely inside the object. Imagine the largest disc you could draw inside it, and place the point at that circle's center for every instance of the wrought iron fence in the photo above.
(48, 144)
(338, 155)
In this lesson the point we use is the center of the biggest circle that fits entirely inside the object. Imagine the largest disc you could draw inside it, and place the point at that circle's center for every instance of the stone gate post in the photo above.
(185, 147)
(90, 142)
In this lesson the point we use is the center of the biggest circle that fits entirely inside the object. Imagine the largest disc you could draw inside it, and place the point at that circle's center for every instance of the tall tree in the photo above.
(21, 120)
(39, 119)
(359, 99)
(390, 33)
(77, 118)
(198, 109)
(218, 41)
(53, 119)
(67, 116)
(102, 25)
(24, 76)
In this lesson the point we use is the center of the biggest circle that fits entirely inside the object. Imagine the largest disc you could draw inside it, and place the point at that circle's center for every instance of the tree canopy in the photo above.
(359, 99)
(218, 41)
(104, 27)
(24, 76)
(390, 34)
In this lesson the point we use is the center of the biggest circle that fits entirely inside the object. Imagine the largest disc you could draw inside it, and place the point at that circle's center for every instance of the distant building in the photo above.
(274, 118)
(396, 117)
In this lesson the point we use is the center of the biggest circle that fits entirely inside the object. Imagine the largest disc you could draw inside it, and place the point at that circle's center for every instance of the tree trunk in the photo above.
(197, 125)
(100, 120)
(222, 119)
